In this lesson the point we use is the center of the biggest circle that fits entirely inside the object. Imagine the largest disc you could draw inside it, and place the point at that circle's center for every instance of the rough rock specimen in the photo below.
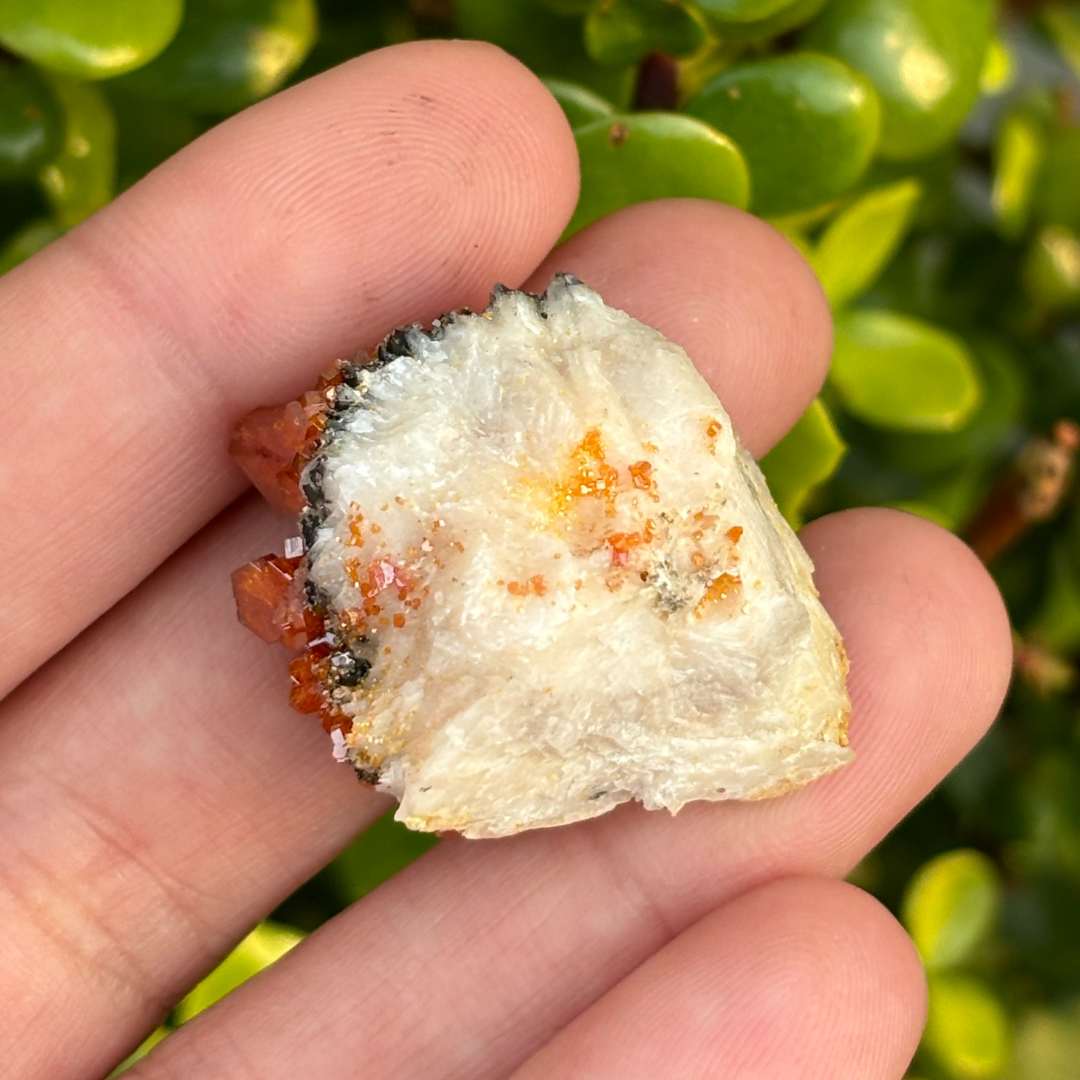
(539, 576)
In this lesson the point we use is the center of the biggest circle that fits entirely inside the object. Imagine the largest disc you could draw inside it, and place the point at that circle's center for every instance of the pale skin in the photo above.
(158, 796)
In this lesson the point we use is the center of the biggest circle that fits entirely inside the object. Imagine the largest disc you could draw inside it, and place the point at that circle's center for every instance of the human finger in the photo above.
(500, 944)
(155, 872)
(394, 187)
(799, 978)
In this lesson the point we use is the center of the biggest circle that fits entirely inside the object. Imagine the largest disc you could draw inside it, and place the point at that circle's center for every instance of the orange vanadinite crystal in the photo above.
(712, 433)
(590, 477)
(734, 533)
(642, 478)
(306, 673)
(273, 443)
(724, 587)
(270, 602)
(535, 586)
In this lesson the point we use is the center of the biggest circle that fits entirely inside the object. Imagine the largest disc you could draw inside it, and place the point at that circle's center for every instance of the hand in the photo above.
(157, 794)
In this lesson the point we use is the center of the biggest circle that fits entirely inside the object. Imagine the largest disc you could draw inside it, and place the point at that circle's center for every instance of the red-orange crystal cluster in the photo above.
(270, 601)
(273, 443)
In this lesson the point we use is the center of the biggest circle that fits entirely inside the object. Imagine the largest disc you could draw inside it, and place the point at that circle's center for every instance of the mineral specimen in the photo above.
(540, 576)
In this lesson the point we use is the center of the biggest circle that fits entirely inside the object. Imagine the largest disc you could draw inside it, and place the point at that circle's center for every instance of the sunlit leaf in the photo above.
(742, 11)
(625, 31)
(902, 373)
(923, 56)
(967, 1030)
(998, 72)
(639, 156)
(950, 906)
(1051, 268)
(86, 39)
(860, 241)
(228, 54)
(1018, 154)
(580, 104)
(148, 1044)
(1057, 194)
(1048, 1044)
(82, 177)
(266, 943)
(793, 14)
(803, 459)
(1063, 23)
(807, 125)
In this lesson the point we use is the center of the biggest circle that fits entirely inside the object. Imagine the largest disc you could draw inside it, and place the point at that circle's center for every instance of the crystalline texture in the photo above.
(553, 581)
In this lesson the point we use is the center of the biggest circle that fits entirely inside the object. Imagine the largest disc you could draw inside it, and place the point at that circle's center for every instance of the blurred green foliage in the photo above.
(924, 155)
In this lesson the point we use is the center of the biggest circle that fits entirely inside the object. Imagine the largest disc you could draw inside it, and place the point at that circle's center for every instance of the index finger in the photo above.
(393, 188)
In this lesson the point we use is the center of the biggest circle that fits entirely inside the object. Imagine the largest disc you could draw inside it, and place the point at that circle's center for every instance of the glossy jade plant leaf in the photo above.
(1018, 155)
(923, 56)
(1057, 194)
(1051, 269)
(580, 104)
(625, 31)
(228, 54)
(266, 943)
(951, 905)
(862, 239)
(803, 460)
(31, 122)
(968, 1031)
(788, 17)
(82, 177)
(743, 11)
(897, 372)
(807, 124)
(640, 156)
(87, 39)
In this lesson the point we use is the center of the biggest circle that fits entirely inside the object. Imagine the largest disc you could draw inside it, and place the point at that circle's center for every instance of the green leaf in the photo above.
(29, 240)
(82, 178)
(998, 72)
(993, 428)
(803, 460)
(625, 31)
(807, 125)
(967, 1029)
(31, 122)
(641, 156)
(923, 56)
(787, 18)
(1057, 194)
(266, 943)
(897, 372)
(148, 1044)
(742, 11)
(228, 54)
(862, 239)
(548, 43)
(375, 856)
(1062, 21)
(1048, 1044)
(579, 103)
(1018, 155)
(1051, 269)
(951, 905)
(86, 39)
